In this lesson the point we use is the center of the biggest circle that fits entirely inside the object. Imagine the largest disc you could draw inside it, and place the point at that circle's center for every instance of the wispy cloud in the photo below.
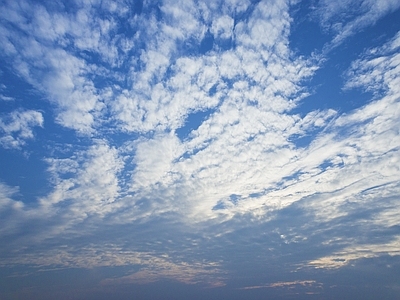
(379, 70)
(6, 98)
(152, 267)
(346, 18)
(162, 268)
(6, 195)
(350, 254)
(289, 284)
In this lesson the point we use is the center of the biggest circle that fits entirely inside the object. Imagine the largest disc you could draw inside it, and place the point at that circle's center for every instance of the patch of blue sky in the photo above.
(291, 178)
(193, 121)
(95, 58)
(136, 8)
(119, 138)
(256, 195)
(26, 169)
(213, 90)
(223, 204)
(211, 43)
(194, 47)
(28, 173)
(23, 93)
(234, 198)
(207, 43)
(301, 141)
(306, 35)
(219, 206)
(329, 164)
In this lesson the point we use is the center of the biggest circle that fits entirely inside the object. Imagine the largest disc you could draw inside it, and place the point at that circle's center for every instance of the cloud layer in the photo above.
(188, 117)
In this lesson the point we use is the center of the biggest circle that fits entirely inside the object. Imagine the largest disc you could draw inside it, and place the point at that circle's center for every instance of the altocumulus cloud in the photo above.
(178, 145)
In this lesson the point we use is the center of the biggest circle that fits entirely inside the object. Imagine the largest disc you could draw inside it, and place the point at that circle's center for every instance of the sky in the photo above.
(234, 149)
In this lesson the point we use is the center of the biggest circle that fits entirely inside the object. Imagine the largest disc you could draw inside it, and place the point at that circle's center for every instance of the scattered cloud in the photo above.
(16, 127)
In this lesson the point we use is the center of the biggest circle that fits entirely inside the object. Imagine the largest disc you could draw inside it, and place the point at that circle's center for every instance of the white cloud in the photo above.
(222, 27)
(16, 127)
(6, 194)
(6, 98)
(86, 186)
(266, 17)
(154, 161)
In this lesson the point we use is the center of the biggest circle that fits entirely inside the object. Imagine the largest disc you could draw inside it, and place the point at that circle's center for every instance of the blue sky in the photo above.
(199, 149)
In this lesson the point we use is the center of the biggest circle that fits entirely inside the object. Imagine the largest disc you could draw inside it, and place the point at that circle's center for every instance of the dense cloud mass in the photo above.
(195, 142)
